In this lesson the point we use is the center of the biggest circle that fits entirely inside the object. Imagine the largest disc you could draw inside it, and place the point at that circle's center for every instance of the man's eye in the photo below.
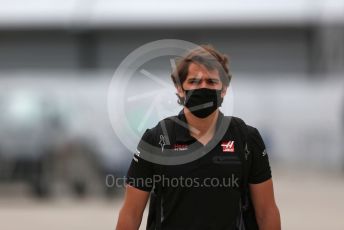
(212, 82)
(194, 81)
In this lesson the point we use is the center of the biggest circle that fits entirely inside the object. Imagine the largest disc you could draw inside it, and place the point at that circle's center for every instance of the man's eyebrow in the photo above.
(194, 78)
(207, 78)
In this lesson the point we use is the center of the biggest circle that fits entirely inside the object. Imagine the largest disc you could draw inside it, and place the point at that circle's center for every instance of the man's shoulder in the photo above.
(153, 134)
(237, 121)
(252, 134)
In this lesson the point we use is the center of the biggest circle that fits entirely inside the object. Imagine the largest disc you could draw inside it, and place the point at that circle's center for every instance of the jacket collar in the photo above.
(182, 129)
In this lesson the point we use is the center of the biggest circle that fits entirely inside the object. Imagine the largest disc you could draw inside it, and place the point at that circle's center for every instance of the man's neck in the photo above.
(201, 126)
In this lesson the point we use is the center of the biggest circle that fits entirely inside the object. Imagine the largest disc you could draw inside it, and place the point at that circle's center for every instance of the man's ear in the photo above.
(224, 91)
(180, 91)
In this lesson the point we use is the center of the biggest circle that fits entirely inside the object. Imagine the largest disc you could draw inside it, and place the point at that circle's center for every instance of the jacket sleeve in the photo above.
(260, 170)
(141, 172)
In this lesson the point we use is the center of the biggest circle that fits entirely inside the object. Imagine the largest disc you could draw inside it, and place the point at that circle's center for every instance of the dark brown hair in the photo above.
(207, 56)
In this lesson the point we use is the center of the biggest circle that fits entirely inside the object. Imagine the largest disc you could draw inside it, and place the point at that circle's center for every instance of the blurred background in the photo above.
(57, 59)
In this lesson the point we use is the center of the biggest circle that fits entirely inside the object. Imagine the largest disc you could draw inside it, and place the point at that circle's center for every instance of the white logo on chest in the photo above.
(228, 146)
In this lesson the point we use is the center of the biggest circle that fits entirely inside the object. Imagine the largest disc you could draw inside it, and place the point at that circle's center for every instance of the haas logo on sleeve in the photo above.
(228, 146)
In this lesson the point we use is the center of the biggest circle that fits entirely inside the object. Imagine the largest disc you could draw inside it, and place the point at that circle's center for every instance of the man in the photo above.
(201, 79)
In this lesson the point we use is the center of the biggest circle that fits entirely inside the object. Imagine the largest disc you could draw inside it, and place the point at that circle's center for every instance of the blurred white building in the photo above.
(287, 59)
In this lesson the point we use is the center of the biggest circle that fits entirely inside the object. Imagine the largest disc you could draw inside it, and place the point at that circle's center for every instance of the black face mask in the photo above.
(202, 102)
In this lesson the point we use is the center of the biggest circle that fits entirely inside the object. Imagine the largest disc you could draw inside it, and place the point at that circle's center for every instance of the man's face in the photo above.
(200, 77)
